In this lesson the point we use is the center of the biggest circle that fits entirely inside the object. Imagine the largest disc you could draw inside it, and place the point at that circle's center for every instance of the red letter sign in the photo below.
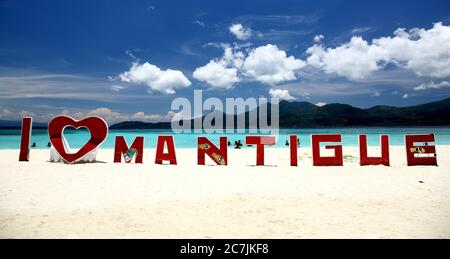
(170, 155)
(206, 147)
(365, 160)
(420, 155)
(121, 148)
(336, 160)
(260, 142)
(25, 137)
(293, 144)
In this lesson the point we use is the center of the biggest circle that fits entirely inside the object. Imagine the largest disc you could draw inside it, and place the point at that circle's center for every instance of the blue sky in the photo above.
(130, 59)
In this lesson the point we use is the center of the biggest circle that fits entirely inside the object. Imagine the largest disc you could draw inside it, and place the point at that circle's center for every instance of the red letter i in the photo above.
(25, 139)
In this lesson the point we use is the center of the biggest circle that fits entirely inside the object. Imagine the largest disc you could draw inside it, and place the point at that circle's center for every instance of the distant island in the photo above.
(5, 124)
(308, 115)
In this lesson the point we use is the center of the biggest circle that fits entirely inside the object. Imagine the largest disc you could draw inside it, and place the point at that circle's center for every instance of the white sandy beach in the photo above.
(39, 199)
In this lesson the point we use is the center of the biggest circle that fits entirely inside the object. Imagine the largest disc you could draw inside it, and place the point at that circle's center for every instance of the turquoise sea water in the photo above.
(10, 139)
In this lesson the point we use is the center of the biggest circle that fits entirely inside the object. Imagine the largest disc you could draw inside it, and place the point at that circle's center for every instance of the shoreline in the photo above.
(244, 147)
(39, 199)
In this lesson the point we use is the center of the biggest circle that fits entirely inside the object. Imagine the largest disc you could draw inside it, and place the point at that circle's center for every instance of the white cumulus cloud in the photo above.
(265, 64)
(425, 52)
(376, 94)
(270, 65)
(141, 116)
(354, 60)
(240, 32)
(318, 38)
(113, 117)
(281, 94)
(164, 81)
(223, 72)
(26, 114)
(217, 75)
(432, 85)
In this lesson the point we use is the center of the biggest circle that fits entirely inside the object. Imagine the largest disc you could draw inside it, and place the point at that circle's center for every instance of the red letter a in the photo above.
(170, 155)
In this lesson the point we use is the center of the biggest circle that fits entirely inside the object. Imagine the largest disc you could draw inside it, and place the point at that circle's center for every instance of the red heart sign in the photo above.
(96, 126)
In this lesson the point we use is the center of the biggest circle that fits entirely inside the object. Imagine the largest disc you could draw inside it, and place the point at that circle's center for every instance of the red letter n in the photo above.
(121, 148)
(207, 147)
(423, 154)
(365, 160)
(336, 160)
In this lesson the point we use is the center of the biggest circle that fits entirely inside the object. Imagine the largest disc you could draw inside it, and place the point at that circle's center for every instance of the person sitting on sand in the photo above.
(287, 143)
(237, 144)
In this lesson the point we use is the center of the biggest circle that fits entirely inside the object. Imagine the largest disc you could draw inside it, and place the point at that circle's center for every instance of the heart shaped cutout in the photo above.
(97, 127)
